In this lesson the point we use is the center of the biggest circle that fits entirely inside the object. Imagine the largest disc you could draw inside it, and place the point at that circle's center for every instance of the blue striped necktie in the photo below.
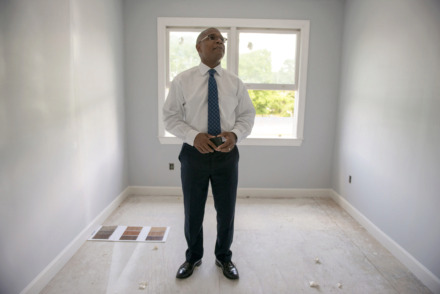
(213, 110)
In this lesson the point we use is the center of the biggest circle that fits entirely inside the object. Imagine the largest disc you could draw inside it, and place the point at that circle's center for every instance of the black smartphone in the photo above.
(217, 141)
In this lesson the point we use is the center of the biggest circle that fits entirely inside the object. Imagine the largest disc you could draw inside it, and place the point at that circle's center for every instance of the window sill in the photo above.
(247, 141)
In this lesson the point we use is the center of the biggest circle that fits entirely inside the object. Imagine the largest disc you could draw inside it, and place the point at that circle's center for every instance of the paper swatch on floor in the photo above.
(130, 233)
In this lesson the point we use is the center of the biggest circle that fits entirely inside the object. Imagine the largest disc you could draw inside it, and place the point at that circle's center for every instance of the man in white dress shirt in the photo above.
(209, 157)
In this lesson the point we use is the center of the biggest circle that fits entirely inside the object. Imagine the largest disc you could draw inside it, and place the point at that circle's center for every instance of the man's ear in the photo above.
(198, 47)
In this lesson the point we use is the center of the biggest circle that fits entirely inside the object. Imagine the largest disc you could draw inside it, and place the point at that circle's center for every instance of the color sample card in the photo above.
(104, 233)
(156, 234)
(130, 233)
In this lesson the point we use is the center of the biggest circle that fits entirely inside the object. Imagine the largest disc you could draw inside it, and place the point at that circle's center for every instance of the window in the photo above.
(270, 57)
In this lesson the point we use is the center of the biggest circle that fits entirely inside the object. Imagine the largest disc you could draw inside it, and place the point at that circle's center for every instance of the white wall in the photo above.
(307, 166)
(62, 130)
(389, 123)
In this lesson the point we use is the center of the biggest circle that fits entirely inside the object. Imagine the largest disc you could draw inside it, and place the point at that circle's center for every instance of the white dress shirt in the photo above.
(185, 111)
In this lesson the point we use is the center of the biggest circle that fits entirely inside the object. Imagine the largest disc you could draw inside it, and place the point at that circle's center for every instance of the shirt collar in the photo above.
(203, 68)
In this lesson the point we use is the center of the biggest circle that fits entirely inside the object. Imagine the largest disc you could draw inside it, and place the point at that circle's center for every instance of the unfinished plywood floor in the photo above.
(275, 246)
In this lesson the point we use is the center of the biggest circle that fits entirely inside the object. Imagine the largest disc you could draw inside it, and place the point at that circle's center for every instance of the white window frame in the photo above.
(303, 27)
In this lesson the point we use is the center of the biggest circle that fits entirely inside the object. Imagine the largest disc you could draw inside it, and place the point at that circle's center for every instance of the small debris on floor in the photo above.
(317, 261)
(143, 285)
(313, 284)
(155, 248)
(339, 285)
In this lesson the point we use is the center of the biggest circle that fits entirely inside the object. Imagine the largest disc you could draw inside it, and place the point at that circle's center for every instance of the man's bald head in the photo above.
(206, 32)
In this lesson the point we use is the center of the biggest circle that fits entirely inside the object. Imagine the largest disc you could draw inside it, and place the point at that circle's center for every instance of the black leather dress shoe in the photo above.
(229, 269)
(187, 268)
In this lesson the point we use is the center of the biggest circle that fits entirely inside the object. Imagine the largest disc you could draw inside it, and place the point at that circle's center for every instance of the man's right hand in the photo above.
(203, 144)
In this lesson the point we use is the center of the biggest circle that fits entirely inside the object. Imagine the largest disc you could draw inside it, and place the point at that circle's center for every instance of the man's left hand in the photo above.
(229, 144)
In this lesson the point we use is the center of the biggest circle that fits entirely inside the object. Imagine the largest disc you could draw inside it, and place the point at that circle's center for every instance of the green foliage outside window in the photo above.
(273, 102)
(256, 67)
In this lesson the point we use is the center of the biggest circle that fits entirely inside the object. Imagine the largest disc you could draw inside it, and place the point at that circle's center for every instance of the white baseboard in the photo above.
(418, 269)
(155, 191)
(58, 263)
(241, 193)
(282, 193)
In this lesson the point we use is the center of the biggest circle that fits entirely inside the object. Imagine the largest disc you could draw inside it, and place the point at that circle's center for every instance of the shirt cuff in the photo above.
(190, 137)
(238, 134)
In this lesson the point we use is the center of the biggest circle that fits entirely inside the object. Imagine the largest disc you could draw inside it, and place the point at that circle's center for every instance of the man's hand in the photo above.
(203, 144)
(229, 144)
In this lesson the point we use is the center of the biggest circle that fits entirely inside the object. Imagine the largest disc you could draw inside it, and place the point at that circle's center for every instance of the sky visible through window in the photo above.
(281, 46)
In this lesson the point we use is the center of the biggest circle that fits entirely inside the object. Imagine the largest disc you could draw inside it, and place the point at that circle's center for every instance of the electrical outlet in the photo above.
(171, 166)
(349, 179)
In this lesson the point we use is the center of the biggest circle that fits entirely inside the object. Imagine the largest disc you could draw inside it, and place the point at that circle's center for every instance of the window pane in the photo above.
(183, 53)
(273, 102)
(274, 117)
(272, 127)
(267, 58)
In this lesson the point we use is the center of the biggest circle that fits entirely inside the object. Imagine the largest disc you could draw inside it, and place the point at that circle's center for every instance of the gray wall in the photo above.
(308, 166)
(62, 129)
(389, 123)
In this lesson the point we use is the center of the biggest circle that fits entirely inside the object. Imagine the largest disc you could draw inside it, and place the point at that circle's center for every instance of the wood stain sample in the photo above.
(131, 233)
(105, 232)
(156, 234)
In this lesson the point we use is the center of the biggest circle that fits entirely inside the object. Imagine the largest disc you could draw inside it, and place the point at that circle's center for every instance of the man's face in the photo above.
(211, 49)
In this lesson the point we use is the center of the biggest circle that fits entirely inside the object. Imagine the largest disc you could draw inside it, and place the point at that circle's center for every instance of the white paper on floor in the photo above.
(130, 234)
